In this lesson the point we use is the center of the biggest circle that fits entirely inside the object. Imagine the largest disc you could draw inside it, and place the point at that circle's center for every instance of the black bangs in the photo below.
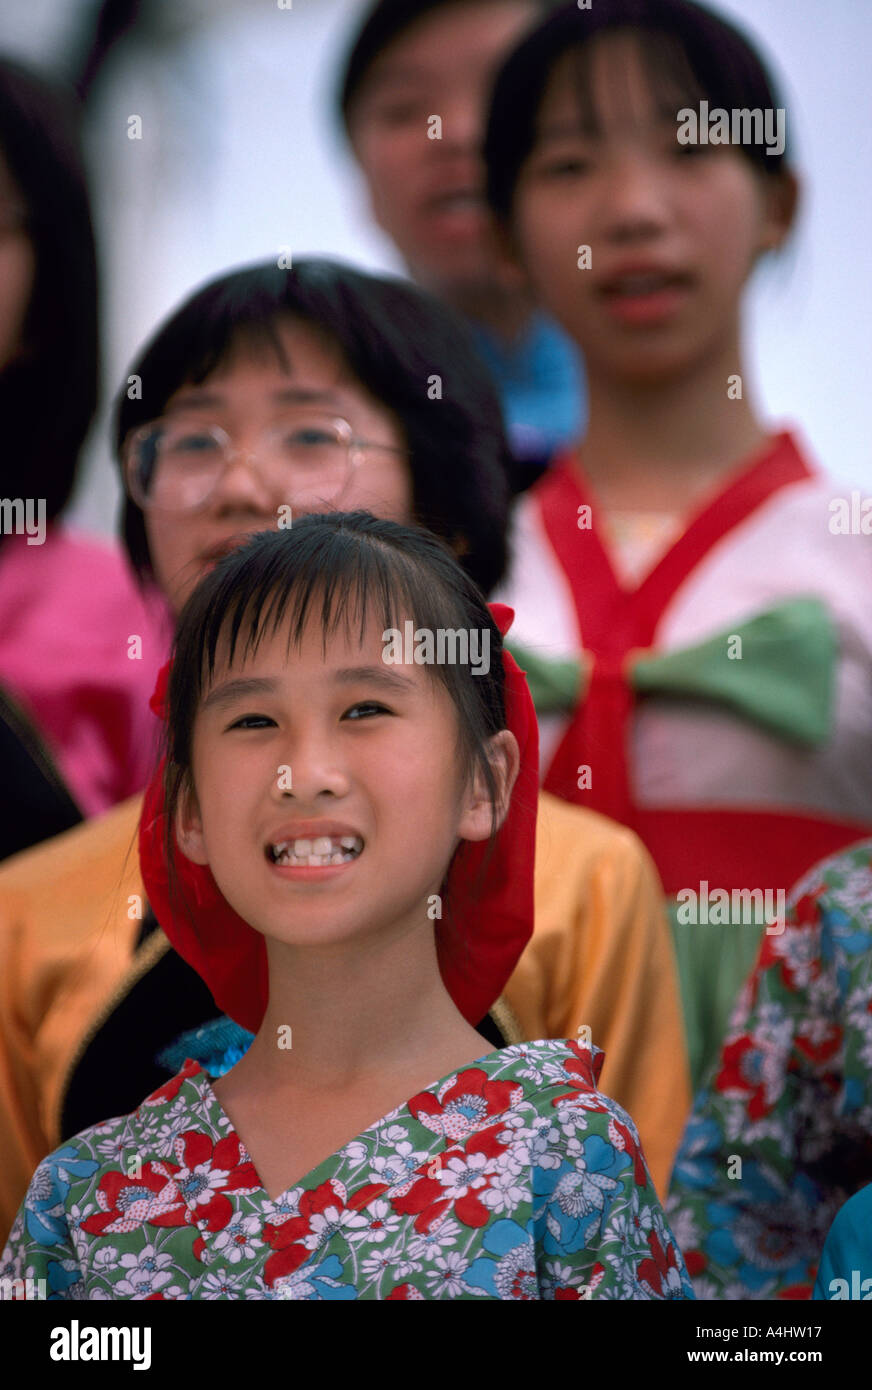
(689, 54)
(269, 584)
(411, 354)
(346, 567)
(671, 80)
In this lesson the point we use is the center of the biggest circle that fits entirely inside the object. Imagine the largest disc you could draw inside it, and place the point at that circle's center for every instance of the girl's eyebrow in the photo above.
(239, 688)
(566, 130)
(242, 687)
(285, 395)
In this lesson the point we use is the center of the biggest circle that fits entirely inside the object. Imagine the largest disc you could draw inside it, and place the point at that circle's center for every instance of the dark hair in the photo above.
(354, 564)
(384, 23)
(690, 53)
(48, 395)
(393, 337)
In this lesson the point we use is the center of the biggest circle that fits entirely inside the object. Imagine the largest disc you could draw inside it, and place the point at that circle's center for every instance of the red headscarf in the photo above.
(490, 925)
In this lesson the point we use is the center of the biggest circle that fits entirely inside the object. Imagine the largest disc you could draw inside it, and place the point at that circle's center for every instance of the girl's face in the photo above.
(314, 752)
(245, 397)
(426, 192)
(17, 267)
(673, 230)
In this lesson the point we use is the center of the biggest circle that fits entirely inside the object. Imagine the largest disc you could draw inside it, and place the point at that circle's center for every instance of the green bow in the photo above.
(776, 669)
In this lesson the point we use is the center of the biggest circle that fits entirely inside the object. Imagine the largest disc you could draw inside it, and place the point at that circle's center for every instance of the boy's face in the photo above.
(426, 193)
(673, 230)
(246, 397)
(296, 753)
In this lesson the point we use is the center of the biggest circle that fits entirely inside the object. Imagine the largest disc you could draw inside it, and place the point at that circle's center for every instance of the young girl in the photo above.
(711, 628)
(342, 804)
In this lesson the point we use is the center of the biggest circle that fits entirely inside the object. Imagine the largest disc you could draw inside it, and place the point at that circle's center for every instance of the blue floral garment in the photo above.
(513, 1178)
(781, 1136)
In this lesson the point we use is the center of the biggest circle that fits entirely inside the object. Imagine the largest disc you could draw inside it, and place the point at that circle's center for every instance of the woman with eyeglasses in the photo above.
(267, 395)
(75, 732)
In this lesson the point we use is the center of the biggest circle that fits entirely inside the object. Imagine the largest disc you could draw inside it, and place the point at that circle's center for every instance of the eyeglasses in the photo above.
(175, 465)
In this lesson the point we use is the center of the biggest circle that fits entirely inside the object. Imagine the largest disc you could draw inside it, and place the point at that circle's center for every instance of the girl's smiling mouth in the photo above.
(312, 847)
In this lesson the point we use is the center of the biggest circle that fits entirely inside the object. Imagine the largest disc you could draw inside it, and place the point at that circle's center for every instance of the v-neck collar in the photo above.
(210, 1111)
(629, 616)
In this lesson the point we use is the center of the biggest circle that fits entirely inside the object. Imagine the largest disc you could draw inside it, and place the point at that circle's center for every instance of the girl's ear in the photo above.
(478, 810)
(782, 201)
(189, 827)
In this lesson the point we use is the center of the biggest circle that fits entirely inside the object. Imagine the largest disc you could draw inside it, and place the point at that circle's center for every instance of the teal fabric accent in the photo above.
(713, 961)
(777, 670)
(781, 673)
(554, 685)
(217, 1046)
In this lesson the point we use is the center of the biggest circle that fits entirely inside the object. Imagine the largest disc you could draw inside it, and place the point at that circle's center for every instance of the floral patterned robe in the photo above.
(781, 1136)
(514, 1178)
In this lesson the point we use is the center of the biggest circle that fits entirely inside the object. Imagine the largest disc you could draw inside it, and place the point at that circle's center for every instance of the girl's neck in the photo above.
(658, 446)
(347, 1017)
(504, 312)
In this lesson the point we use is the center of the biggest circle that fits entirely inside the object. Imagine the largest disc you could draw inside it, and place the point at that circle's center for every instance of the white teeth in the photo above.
(641, 284)
(317, 853)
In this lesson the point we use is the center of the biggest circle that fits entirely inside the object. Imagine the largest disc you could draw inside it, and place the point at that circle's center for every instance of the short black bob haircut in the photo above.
(344, 567)
(48, 394)
(393, 338)
(384, 23)
(690, 54)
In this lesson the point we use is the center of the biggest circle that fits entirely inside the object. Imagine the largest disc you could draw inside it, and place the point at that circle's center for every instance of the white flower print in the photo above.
(447, 1277)
(402, 1266)
(328, 1223)
(105, 1258)
(199, 1184)
(462, 1175)
(145, 1273)
(397, 1169)
(505, 1193)
(430, 1243)
(379, 1222)
(218, 1285)
(239, 1240)
(515, 1275)
(355, 1152)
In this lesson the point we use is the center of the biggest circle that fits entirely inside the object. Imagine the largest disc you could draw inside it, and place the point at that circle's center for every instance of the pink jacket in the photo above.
(70, 610)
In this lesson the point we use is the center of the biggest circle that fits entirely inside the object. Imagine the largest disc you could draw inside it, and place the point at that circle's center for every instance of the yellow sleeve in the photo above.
(602, 955)
(65, 940)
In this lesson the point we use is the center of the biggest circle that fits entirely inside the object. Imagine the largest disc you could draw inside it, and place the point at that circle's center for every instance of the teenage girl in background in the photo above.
(706, 640)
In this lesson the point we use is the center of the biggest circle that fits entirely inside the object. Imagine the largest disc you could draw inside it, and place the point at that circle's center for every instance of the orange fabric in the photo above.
(600, 955)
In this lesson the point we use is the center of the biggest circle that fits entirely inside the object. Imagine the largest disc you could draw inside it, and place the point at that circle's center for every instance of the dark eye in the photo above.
(369, 707)
(252, 721)
(570, 166)
(191, 442)
(685, 151)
